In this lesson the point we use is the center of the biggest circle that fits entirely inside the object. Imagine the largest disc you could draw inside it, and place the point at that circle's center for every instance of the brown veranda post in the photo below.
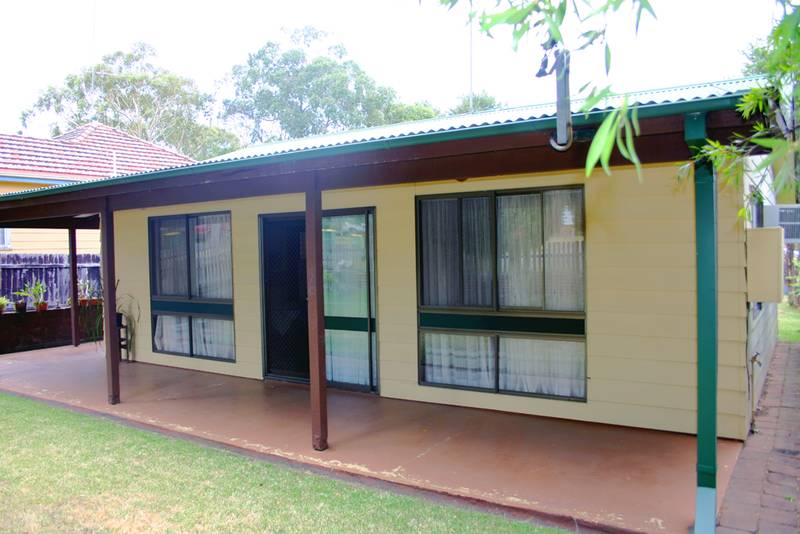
(73, 286)
(316, 317)
(110, 332)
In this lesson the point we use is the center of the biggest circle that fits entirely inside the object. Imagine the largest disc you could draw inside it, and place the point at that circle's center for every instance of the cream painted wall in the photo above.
(640, 295)
(43, 241)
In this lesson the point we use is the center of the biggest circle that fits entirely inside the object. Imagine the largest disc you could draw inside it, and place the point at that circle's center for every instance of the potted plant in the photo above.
(3, 303)
(83, 292)
(35, 292)
(21, 304)
(88, 293)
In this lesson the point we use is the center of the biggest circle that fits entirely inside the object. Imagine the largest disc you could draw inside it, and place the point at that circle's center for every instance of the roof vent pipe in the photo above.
(563, 138)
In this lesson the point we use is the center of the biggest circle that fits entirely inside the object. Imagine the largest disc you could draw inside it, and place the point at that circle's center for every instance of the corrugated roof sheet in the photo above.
(90, 152)
(417, 131)
(488, 118)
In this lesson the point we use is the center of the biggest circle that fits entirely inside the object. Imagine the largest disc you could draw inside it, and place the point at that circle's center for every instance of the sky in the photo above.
(417, 47)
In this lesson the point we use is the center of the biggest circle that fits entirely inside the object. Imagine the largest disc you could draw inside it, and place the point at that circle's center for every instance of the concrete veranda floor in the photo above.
(609, 476)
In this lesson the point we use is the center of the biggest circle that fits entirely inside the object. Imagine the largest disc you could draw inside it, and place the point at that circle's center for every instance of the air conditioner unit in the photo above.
(786, 216)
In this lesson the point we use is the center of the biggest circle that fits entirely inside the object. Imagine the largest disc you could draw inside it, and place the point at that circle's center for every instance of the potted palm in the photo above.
(3, 303)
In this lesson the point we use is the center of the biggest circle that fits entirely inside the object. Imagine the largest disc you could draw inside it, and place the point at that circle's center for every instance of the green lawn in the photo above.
(788, 323)
(62, 471)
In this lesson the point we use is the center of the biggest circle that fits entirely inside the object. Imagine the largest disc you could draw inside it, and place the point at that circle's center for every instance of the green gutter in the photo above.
(705, 190)
(533, 125)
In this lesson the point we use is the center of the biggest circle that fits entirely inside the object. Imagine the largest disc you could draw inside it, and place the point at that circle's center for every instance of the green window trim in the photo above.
(192, 307)
(351, 324)
(503, 324)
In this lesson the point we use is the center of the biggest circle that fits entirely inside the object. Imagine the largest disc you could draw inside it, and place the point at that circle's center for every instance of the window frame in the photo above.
(186, 305)
(757, 208)
(5, 239)
(575, 320)
(495, 307)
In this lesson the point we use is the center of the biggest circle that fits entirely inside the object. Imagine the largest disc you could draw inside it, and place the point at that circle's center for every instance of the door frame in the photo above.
(372, 290)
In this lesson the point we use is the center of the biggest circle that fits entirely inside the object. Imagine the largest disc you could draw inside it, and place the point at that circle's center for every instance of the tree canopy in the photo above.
(482, 101)
(126, 91)
(290, 92)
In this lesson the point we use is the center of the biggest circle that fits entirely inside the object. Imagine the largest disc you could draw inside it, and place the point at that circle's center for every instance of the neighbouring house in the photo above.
(90, 152)
(460, 261)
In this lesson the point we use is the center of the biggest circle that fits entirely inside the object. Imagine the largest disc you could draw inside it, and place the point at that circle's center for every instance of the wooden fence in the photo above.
(52, 269)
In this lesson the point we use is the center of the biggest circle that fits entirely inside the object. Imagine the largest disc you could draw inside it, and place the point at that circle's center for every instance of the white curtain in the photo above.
(519, 251)
(461, 360)
(211, 256)
(347, 357)
(344, 263)
(441, 264)
(563, 234)
(546, 367)
(172, 266)
(344, 259)
(172, 334)
(476, 224)
(213, 338)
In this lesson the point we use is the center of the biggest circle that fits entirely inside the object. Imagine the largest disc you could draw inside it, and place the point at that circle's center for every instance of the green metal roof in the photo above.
(671, 101)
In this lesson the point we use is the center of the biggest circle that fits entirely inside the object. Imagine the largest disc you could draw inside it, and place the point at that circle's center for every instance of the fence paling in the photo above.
(52, 269)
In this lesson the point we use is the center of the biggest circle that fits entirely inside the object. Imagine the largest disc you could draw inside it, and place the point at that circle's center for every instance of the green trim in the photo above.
(694, 130)
(352, 324)
(546, 123)
(705, 188)
(191, 307)
(503, 323)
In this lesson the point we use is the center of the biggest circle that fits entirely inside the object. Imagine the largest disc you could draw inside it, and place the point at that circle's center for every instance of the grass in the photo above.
(788, 323)
(62, 471)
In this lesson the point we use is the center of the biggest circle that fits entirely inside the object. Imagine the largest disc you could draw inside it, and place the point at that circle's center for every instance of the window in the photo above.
(192, 285)
(757, 214)
(5, 238)
(501, 292)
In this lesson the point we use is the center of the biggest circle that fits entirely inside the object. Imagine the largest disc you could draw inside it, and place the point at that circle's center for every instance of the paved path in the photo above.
(764, 493)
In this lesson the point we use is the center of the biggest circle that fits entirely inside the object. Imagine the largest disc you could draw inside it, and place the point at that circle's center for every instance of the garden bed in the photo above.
(37, 330)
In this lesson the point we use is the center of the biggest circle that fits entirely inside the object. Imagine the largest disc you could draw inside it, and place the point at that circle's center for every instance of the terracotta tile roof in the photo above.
(89, 152)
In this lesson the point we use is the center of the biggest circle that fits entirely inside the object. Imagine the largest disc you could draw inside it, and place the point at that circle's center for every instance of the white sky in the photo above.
(417, 47)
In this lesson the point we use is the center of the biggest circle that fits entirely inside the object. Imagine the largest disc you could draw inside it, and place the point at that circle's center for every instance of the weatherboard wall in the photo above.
(640, 295)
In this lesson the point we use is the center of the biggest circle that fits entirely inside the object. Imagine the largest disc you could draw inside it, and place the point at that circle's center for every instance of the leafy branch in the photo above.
(546, 20)
(773, 142)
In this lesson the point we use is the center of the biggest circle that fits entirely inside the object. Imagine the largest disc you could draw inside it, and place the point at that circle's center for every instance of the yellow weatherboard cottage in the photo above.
(458, 261)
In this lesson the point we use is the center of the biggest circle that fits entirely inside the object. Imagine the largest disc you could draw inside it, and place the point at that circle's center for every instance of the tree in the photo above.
(285, 93)
(546, 20)
(399, 112)
(482, 101)
(126, 91)
(773, 108)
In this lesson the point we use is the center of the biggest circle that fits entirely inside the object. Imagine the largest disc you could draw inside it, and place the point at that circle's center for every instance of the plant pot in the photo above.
(83, 303)
(41, 306)
(21, 306)
(95, 302)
